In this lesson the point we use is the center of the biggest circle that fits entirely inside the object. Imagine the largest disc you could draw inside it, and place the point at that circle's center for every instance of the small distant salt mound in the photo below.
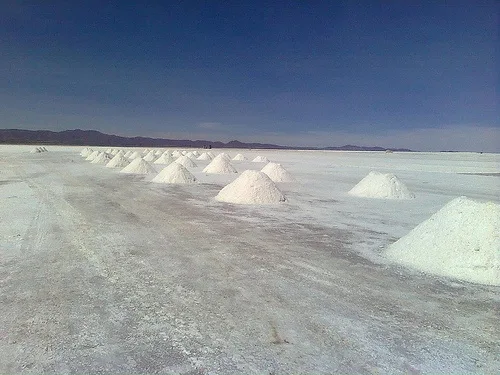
(191, 155)
(118, 161)
(158, 152)
(135, 155)
(239, 157)
(381, 185)
(220, 165)
(224, 155)
(388, 151)
(86, 152)
(462, 240)
(211, 154)
(102, 158)
(128, 153)
(44, 149)
(139, 166)
(186, 161)
(277, 173)
(204, 156)
(114, 151)
(165, 158)
(176, 153)
(108, 151)
(175, 173)
(251, 187)
(92, 155)
(261, 159)
(196, 153)
(150, 157)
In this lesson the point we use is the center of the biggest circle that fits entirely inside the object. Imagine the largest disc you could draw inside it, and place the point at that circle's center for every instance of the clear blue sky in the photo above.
(310, 72)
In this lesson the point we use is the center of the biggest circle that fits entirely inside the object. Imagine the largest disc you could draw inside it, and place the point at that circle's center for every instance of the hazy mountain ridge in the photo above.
(80, 137)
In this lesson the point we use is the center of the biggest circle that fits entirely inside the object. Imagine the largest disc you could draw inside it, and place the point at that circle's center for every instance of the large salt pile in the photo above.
(251, 187)
(118, 161)
(165, 158)
(381, 185)
(135, 155)
(239, 157)
(102, 158)
(175, 173)
(92, 155)
(220, 165)
(150, 157)
(462, 240)
(204, 156)
(260, 159)
(139, 166)
(277, 173)
(186, 161)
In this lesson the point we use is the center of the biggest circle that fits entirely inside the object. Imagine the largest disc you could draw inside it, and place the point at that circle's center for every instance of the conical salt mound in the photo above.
(158, 153)
(277, 173)
(186, 161)
(135, 155)
(174, 174)
(44, 149)
(102, 158)
(139, 166)
(251, 187)
(36, 150)
(261, 159)
(191, 155)
(92, 155)
(381, 185)
(224, 155)
(118, 161)
(211, 154)
(150, 157)
(176, 153)
(114, 151)
(462, 240)
(196, 153)
(165, 158)
(128, 153)
(219, 165)
(204, 156)
(239, 157)
(86, 152)
(108, 151)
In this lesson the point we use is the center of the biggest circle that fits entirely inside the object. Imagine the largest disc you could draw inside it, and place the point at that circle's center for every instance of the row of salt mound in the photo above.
(220, 165)
(462, 240)
(138, 166)
(174, 173)
(381, 185)
(101, 158)
(37, 150)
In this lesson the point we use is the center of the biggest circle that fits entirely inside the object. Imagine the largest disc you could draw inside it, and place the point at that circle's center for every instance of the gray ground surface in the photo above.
(106, 273)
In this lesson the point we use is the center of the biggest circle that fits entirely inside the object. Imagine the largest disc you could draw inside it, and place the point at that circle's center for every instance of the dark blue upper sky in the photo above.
(313, 73)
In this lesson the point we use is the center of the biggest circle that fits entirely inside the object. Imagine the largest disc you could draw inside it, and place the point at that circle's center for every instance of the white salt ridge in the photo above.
(204, 156)
(220, 165)
(102, 158)
(462, 241)
(277, 173)
(92, 155)
(186, 161)
(261, 159)
(382, 186)
(251, 187)
(139, 166)
(175, 173)
(118, 161)
(165, 158)
(134, 155)
(239, 157)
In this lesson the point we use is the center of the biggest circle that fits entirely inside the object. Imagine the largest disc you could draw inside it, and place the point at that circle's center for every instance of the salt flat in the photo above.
(107, 272)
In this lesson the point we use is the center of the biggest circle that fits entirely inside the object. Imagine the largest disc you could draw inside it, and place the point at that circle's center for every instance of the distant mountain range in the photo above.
(80, 137)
